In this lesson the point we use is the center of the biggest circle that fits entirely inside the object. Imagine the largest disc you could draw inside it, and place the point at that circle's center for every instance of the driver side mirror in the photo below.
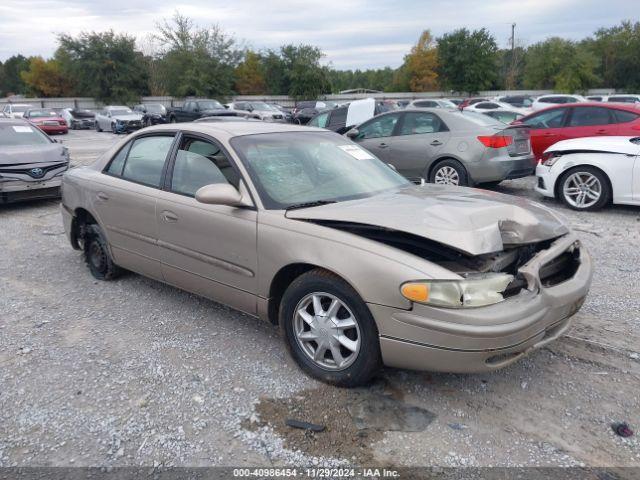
(353, 133)
(221, 194)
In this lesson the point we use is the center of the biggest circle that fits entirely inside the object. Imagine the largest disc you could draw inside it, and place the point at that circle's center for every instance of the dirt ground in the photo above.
(134, 372)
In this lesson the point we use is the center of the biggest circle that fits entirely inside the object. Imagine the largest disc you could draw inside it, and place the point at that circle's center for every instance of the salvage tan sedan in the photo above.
(307, 230)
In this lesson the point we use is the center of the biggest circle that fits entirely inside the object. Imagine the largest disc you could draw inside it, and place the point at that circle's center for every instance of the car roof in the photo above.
(631, 107)
(234, 129)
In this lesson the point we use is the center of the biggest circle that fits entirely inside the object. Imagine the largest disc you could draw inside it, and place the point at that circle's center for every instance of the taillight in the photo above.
(496, 141)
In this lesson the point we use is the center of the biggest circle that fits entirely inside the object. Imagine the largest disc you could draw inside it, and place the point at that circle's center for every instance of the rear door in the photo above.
(124, 199)
(376, 135)
(590, 122)
(418, 139)
(547, 128)
(207, 249)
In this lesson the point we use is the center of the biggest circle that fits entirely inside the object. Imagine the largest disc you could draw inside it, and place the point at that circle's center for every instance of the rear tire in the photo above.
(449, 172)
(584, 188)
(347, 335)
(97, 256)
(490, 184)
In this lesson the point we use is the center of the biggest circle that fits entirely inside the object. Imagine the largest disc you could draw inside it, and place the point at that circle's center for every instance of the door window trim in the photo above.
(377, 119)
(612, 118)
(170, 164)
(128, 146)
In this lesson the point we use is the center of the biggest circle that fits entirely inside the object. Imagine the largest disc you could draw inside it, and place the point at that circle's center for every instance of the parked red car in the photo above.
(46, 120)
(575, 120)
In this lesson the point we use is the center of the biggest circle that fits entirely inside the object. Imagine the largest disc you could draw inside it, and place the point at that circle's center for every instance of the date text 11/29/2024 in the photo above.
(316, 472)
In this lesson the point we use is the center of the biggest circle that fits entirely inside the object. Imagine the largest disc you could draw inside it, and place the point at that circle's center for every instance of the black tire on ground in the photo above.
(98, 129)
(113, 129)
(97, 256)
(463, 177)
(173, 120)
(605, 195)
(368, 360)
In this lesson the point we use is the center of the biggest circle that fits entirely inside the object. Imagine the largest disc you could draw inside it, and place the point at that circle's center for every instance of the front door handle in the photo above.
(169, 216)
(436, 143)
(102, 196)
(383, 145)
(601, 131)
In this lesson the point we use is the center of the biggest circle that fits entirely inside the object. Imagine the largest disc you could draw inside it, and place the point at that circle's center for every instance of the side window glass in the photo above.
(380, 127)
(622, 116)
(117, 163)
(419, 123)
(550, 119)
(199, 163)
(146, 160)
(320, 120)
(589, 116)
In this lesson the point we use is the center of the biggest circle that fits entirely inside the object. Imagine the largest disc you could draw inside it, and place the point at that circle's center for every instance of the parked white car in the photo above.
(597, 98)
(16, 110)
(432, 103)
(624, 98)
(483, 107)
(588, 173)
(545, 101)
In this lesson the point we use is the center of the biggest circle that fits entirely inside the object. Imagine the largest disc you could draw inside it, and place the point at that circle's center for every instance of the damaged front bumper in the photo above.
(487, 338)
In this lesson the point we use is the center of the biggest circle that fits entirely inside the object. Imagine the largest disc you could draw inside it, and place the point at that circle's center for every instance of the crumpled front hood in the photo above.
(32, 154)
(466, 219)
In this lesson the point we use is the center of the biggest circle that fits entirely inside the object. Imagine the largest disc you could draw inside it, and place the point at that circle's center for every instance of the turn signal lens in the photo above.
(416, 292)
(495, 141)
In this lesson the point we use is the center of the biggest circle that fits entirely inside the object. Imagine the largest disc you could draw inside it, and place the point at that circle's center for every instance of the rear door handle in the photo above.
(601, 131)
(169, 216)
(436, 143)
(102, 196)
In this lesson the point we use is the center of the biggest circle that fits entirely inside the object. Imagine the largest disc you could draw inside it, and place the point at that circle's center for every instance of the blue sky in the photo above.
(352, 33)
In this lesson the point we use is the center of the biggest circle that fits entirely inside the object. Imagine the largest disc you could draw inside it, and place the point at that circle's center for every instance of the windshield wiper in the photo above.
(315, 203)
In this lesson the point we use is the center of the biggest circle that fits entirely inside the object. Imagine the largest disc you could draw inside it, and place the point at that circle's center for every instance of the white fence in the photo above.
(87, 102)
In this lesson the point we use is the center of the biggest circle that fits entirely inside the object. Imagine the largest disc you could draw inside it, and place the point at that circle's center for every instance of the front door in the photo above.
(547, 129)
(376, 135)
(210, 250)
(124, 199)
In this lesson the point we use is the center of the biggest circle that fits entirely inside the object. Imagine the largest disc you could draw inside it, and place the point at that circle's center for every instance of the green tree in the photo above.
(45, 78)
(468, 60)
(104, 65)
(304, 76)
(197, 61)
(616, 49)
(561, 65)
(422, 64)
(249, 75)
(13, 68)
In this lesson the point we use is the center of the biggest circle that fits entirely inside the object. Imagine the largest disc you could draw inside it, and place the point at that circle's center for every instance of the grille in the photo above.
(27, 171)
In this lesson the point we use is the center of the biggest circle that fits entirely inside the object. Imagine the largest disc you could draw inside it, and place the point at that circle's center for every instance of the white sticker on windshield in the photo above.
(356, 152)
(22, 129)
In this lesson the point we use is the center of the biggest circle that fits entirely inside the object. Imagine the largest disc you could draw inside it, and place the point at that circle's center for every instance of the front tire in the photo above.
(584, 188)
(97, 256)
(98, 129)
(329, 330)
(449, 172)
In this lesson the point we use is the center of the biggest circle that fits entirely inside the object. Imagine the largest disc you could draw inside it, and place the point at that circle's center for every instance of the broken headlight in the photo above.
(548, 159)
(476, 290)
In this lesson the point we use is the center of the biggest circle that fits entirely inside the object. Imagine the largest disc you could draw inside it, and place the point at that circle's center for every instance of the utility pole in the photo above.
(511, 74)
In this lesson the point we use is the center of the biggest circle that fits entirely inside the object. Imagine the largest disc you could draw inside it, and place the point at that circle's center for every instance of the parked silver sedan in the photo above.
(117, 119)
(31, 163)
(448, 146)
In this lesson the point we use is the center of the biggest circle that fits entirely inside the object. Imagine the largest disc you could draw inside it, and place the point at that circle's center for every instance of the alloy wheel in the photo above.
(582, 189)
(327, 331)
(447, 175)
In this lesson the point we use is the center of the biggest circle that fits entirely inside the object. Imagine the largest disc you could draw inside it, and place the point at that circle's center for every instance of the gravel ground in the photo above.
(134, 372)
